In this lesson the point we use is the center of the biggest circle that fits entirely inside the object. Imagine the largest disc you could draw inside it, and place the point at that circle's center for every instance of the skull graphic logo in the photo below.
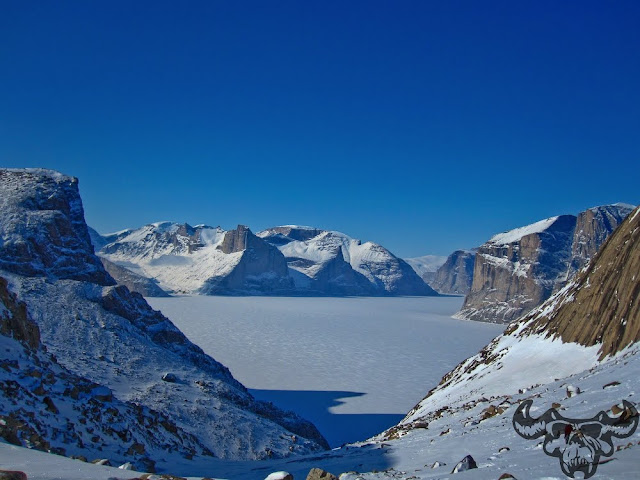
(578, 444)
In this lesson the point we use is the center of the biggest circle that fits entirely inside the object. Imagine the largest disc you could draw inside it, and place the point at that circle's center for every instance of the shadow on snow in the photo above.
(339, 428)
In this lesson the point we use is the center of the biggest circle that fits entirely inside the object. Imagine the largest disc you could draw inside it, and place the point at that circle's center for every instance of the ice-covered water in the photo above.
(353, 366)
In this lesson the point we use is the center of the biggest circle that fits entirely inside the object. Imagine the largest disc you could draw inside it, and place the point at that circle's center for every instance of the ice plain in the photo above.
(353, 366)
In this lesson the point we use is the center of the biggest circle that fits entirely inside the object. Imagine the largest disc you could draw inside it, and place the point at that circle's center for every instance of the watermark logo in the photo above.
(579, 444)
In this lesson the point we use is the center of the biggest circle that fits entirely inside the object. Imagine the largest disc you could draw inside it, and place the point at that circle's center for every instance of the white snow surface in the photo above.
(516, 234)
(352, 356)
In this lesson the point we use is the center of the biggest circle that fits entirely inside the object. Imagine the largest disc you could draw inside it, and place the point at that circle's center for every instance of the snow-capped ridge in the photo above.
(516, 234)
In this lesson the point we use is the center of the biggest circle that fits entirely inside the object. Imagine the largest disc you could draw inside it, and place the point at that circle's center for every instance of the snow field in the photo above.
(350, 356)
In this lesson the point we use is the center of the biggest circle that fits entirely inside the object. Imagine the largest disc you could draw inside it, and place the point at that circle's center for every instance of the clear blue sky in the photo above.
(425, 126)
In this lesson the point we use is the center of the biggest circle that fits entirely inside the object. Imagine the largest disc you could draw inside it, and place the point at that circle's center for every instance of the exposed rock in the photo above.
(169, 377)
(184, 259)
(518, 270)
(14, 321)
(456, 274)
(60, 247)
(261, 268)
(467, 463)
(572, 391)
(602, 305)
(319, 474)
(12, 475)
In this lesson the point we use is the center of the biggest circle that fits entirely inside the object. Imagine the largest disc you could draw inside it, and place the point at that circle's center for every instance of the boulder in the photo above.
(12, 475)
(319, 474)
(467, 463)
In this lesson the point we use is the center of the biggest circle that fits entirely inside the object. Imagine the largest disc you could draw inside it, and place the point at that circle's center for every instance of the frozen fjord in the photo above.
(353, 366)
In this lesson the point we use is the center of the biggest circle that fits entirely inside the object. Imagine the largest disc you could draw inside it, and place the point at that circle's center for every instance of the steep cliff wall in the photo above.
(517, 270)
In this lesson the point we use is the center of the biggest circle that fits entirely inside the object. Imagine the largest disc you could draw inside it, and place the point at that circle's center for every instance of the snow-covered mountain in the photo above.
(105, 334)
(277, 261)
(426, 266)
(199, 260)
(332, 263)
(517, 270)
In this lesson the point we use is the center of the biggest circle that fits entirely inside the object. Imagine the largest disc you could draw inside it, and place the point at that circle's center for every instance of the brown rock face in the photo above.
(236, 240)
(602, 306)
(512, 278)
(262, 268)
(319, 474)
(14, 321)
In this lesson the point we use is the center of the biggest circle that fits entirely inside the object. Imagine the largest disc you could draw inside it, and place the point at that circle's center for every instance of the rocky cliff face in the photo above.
(456, 274)
(583, 330)
(112, 337)
(602, 305)
(60, 247)
(262, 269)
(331, 263)
(516, 271)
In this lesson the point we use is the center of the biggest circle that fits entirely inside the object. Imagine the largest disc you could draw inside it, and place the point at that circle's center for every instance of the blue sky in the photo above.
(424, 126)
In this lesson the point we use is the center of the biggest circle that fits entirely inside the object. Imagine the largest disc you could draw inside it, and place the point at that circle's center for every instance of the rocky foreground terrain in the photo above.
(66, 323)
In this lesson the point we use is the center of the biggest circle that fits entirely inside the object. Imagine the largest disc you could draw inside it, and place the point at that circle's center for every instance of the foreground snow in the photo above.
(414, 454)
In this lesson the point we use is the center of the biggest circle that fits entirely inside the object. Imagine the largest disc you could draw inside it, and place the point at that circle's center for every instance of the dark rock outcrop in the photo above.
(319, 474)
(60, 247)
(262, 269)
(14, 321)
(518, 270)
(46, 407)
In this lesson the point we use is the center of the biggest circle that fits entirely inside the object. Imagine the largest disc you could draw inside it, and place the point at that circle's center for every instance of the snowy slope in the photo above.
(179, 257)
(45, 406)
(113, 338)
(331, 262)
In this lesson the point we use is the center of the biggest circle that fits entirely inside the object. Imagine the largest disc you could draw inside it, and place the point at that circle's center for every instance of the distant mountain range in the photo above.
(287, 260)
